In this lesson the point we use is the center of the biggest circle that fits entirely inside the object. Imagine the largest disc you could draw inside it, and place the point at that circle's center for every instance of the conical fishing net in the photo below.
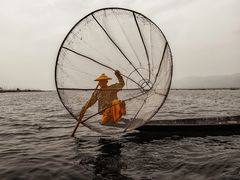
(102, 42)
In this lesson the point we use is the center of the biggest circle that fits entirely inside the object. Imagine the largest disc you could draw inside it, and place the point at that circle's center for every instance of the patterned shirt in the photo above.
(105, 96)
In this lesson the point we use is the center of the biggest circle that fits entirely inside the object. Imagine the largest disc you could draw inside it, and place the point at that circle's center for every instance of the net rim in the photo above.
(112, 8)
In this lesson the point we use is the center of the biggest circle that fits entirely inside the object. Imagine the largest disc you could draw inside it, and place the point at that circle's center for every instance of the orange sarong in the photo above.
(115, 112)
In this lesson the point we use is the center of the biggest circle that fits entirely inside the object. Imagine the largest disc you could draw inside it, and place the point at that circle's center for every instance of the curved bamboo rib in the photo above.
(145, 48)
(101, 65)
(119, 49)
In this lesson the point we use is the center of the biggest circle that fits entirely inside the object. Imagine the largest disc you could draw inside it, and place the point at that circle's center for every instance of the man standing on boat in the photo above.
(109, 106)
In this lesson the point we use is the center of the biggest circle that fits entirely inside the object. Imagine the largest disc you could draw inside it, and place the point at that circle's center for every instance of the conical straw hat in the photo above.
(103, 77)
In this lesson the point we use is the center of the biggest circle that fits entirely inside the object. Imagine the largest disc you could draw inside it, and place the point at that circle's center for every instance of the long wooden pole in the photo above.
(80, 120)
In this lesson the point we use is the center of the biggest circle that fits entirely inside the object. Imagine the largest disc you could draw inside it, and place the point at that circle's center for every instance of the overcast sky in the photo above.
(204, 35)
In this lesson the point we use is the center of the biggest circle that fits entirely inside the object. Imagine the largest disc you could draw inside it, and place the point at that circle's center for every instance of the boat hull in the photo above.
(194, 127)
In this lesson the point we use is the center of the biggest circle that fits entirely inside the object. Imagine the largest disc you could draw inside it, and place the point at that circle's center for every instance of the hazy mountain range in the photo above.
(219, 81)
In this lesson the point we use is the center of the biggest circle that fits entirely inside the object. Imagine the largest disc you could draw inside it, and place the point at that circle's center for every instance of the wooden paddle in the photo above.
(80, 118)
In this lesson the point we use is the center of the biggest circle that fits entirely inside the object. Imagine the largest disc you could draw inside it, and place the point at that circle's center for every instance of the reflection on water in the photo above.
(108, 163)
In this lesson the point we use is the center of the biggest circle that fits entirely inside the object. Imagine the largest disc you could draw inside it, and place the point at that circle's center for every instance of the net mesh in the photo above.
(108, 40)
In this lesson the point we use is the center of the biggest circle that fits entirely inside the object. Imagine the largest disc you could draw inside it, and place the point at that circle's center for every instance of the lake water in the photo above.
(35, 142)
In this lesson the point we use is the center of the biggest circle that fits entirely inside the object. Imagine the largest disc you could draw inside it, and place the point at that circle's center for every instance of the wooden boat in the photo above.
(193, 127)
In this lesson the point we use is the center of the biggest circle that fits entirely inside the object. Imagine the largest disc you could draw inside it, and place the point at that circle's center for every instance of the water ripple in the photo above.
(35, 142)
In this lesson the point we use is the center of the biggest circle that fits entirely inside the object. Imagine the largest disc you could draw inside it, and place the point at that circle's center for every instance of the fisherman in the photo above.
(109, 106)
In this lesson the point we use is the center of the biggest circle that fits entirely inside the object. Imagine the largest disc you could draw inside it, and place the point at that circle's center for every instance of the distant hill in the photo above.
(220, 81)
